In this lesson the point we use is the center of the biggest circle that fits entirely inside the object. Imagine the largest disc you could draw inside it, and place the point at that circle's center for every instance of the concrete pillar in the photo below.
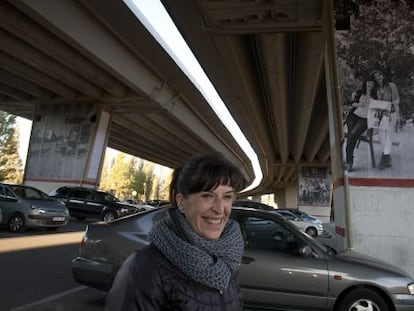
(280, 198)
(67, 146)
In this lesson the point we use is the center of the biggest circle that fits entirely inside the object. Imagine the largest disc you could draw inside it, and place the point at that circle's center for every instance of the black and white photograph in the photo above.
(59, 134)
(376, 73)
(314, 187)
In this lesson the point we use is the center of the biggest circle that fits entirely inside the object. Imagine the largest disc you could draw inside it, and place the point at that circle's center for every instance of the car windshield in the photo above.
(30, 193)
(107, 197)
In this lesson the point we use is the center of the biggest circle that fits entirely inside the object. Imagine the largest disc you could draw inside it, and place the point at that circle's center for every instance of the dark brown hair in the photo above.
(205, 173)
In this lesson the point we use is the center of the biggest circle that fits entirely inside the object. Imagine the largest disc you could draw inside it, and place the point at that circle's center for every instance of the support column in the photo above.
(280, 198)
(67, 146)
(340, 182)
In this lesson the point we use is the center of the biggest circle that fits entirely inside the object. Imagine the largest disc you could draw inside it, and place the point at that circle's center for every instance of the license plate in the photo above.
(58, 218)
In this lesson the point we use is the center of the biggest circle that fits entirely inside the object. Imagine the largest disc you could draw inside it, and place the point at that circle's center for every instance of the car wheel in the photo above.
(16, 223)
(108, 216)
(363, 299)
(312, 232)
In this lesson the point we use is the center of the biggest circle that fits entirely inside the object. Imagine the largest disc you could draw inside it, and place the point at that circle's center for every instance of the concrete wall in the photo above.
(381, 224)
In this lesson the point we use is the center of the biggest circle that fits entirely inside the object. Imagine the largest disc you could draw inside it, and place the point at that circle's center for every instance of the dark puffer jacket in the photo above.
(147, 281)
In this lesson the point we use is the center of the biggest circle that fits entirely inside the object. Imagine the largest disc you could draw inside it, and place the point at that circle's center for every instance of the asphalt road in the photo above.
(35, 269)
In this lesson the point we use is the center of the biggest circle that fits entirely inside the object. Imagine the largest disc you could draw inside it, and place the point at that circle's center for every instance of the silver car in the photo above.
(314, 229)
(282, 268)
(27, 207)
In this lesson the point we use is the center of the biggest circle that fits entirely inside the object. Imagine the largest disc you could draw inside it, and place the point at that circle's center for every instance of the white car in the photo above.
(141, 207)
(310, 227)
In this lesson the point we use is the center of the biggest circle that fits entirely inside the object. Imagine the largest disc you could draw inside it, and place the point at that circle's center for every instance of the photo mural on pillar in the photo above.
(60, 141)
(314, 192)
(376, 76)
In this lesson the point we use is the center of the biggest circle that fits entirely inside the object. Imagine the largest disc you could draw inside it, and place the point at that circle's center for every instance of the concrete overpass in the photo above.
(266, 59)
(272, 62)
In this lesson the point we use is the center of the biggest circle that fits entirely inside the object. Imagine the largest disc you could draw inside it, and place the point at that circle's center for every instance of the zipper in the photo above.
(221, 293)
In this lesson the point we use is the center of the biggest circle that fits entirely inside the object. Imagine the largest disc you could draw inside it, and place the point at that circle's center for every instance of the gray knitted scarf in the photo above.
(209, 262)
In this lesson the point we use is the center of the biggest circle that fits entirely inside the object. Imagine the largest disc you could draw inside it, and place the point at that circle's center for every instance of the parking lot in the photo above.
(37, 267)
(36, 271)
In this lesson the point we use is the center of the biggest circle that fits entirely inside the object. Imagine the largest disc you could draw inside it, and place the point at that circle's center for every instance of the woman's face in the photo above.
(207, 211)
(378, 77)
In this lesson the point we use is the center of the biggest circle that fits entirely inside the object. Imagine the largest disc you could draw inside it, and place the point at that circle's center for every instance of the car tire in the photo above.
(312, 232)
(16, 223)
(108, 216)
(362, 299)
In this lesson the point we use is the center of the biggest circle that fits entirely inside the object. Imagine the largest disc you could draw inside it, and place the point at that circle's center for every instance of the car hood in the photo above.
(361, 259)
(48, 204)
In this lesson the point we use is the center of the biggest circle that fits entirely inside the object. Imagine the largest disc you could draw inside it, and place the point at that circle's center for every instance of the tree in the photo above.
(121, 173)
(10, 162)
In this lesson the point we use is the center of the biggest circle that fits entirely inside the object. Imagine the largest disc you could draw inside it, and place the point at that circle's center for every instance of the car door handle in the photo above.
(247, 260)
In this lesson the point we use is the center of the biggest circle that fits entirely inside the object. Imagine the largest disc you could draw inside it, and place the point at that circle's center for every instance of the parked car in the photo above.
(85, 203)
(302, 215)
(253, 204)
(282, 268)
(157, 202)
(137, 204)
(309, 227)
(25, 207)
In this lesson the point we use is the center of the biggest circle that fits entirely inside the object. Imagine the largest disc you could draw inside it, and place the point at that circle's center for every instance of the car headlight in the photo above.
(411, 288)
(37, 210)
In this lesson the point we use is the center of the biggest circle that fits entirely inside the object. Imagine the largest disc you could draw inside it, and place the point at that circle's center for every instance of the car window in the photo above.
(288, 216)
(107, 197)
(29, 193)
(5, 192)
(79, 194)
(89, 196)
(266, 234)
(63, 191)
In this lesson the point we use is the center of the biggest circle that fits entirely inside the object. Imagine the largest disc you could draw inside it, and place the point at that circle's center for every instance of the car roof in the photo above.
(253, 204)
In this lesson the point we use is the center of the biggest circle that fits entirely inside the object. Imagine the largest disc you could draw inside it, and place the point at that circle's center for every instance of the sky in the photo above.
(25, 127)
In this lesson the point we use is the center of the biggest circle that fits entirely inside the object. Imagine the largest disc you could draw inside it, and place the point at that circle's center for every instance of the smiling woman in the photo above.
(195, 253)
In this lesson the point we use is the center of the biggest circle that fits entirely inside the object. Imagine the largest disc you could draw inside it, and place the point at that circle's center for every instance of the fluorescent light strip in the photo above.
(155, 18)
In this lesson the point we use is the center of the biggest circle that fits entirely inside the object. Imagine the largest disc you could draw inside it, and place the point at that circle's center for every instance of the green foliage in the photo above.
(10, 162)
(125, 174)
(381, 37)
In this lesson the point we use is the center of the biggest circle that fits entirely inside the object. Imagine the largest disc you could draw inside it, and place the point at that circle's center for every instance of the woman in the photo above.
(195, 253)
(386, 91)
(357, 121)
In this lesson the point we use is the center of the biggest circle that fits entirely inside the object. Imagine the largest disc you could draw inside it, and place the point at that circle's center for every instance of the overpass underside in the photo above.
(265, 60)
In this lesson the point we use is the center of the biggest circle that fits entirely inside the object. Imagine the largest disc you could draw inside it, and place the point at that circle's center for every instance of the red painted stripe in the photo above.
(340, 231)
(338, 183)
(376, 182)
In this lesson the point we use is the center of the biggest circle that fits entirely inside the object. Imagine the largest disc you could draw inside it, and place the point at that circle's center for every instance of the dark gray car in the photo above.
(283, 268)
(28, 207)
